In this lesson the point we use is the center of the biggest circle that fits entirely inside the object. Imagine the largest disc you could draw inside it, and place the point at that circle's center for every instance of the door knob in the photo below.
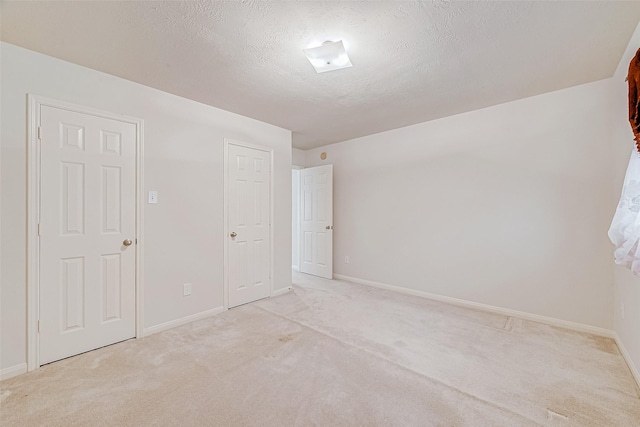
(127, 242)
(233, 234)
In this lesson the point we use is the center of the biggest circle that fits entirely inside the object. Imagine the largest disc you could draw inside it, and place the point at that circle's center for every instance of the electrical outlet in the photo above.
(622, 309)
(346, 260)
(186, 290)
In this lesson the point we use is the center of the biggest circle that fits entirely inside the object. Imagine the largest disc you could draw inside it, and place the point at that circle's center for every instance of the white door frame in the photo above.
(228, 142)
(297, 224)
(33, 214)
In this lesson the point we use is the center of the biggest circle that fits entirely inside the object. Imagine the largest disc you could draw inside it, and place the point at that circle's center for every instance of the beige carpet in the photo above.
(333, 353)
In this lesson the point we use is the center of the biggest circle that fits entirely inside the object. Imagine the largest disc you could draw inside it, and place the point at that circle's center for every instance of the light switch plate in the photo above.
(153, 197)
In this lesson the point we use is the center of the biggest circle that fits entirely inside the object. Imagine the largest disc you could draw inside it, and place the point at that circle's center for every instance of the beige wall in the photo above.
(183, 161)
(507, 206)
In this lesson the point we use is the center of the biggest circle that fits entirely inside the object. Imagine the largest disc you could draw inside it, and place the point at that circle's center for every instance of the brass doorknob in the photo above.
(233, 234)
(127, 242)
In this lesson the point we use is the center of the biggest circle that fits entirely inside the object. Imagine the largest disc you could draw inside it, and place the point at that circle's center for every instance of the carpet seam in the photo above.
(378, 356)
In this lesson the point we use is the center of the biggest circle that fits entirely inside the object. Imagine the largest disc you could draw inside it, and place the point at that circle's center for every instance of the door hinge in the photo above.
(38, 229)
(38, 326)
(39, 137)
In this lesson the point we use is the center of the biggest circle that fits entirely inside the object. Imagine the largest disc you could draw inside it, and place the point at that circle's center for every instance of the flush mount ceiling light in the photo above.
(328, 57)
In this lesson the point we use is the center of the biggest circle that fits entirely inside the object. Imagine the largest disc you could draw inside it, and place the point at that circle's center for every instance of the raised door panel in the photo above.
(72, 292)
(111, 284)
(72, 219)
(111, 200)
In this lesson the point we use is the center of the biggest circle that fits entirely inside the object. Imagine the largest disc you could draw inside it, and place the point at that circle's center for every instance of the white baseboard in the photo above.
(13, 371)
(485, 307)
(182, 321)
(278, 292)
(627, 357)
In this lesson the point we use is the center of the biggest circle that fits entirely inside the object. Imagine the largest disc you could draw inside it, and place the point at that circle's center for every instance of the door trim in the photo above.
(34, 103)
(269, 150)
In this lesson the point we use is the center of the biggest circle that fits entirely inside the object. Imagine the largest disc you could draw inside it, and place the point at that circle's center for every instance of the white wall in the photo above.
(507, 206)
(183, 161)
(627, 286)
(298, 157)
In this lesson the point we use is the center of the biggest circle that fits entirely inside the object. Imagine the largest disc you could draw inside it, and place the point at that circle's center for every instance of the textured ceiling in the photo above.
(412, 61)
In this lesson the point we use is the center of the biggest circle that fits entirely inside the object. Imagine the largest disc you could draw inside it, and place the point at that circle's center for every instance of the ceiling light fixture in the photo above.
(328, 57)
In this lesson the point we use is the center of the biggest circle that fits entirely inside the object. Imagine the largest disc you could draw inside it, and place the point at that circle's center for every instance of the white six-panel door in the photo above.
(316, 221)
(87, 214)
(248, 224)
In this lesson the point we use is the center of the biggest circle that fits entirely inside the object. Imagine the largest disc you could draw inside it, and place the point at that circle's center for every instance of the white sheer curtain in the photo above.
(625, 227)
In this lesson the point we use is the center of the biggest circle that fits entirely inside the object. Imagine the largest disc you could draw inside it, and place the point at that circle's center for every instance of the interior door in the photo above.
(316, 221)
(87, 232)
(249, 224)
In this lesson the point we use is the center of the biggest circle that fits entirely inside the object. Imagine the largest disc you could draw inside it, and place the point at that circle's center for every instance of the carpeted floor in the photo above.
(332, 353)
